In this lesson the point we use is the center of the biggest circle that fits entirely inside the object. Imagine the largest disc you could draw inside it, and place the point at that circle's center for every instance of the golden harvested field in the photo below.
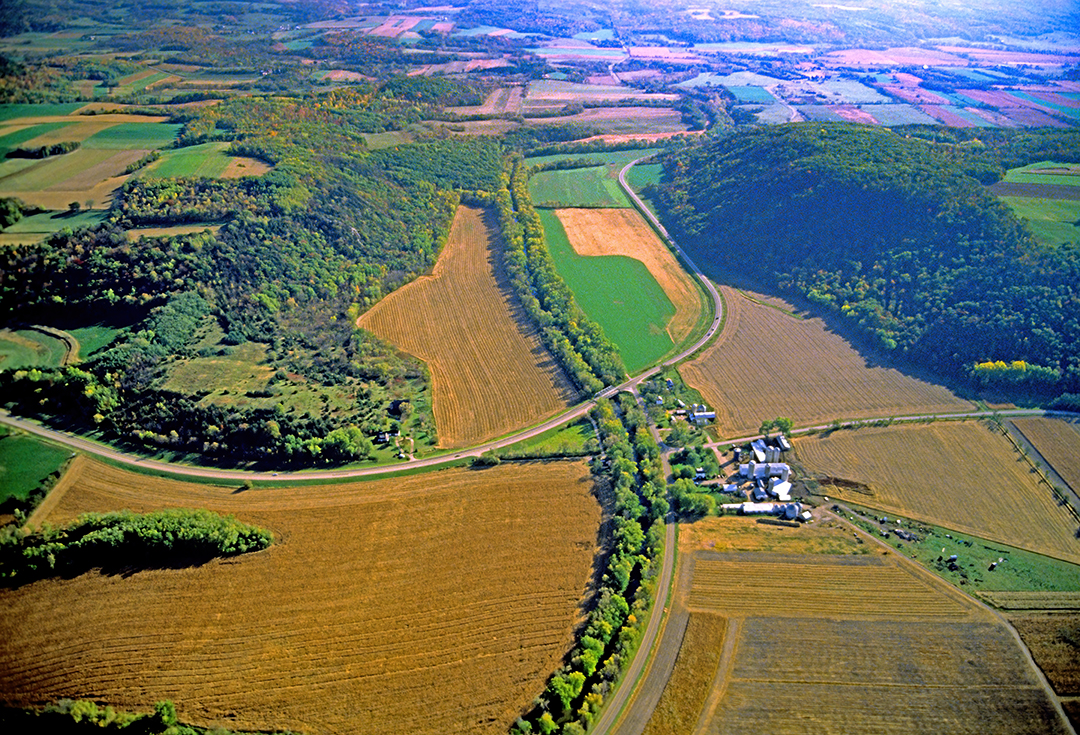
(767, 363)
(435, 603)
(1058, 442)
(490, 372)
(846, 645)
(863, 587)
(624, 232)
(683, 697)
(744, 533)
(1054, 642)
(960, 475)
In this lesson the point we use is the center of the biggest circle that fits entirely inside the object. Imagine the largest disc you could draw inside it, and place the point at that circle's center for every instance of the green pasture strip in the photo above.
(752, 95)
(641, 176)
(14, 112)
(1021, 571)
(25, 461)
(13, 140)
(1031, 174)
(580, 187)
(206, 160)
(92, 339)
(26, 348)
(611, 158)
(389, 139)
(567, 440)
(1051, 221)
(133, 136)
(49, 222)
(56, 170)
(618, 293)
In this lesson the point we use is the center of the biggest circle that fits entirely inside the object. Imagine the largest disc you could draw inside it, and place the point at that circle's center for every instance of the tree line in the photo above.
(894, 232)
(630, 469)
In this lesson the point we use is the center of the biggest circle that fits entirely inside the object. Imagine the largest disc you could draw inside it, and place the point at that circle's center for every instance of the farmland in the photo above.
(797, 642)
(635, 319)
(25, 348)
(605, 232)
(488, 376)
(768, 362)
(208, 160)
(1058, 442)
(425, 603)
(25, 462)
(580, 187)
(1047, 196)
(915, 471)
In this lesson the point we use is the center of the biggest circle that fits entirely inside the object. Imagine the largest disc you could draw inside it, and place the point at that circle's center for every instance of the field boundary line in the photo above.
(74, 472)
(1058, 493)
(724, 669)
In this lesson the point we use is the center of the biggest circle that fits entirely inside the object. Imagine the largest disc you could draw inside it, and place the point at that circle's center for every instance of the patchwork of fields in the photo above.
(604, 232)
(490, 374)
(827, 643)
(769, 363)
(1046, 196)
(421, 604)
(959, 475)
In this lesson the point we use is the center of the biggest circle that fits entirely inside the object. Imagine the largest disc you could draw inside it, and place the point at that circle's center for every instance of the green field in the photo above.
(14, 112)
(13, 140)
(92, 339)
(617, 292)
(616, 159)
(1030, 174)
(752, 95)
(389, 139)
(25, 462)
(1021, 570)
(207, 160)
(48, 222)
(579, 187)
(643, 175)
(570, 440)
(1051, 221)
(26, 348)
(133, 136)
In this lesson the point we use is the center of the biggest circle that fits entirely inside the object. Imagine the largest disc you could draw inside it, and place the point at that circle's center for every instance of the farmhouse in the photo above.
(701, 412)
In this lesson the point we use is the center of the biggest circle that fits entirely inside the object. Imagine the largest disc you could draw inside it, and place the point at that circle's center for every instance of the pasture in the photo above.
(1047, 196)
(1058, 442)
(26, 461)
(622, 232)
(37, 226)
(768, 362)
(825, 643)
(597, 186)
(960, 475)
(30, 348)
(489, 370)
(619, 293)
(207, 160)
(422, 604)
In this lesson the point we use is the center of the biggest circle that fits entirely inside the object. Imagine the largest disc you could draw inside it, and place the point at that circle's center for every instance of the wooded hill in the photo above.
(896, 231)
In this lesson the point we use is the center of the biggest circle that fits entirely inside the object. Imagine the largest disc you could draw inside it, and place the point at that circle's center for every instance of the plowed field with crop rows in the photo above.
(490, 372)
(1059, 444)
(437, 603)
(768, 363)
(960, 475)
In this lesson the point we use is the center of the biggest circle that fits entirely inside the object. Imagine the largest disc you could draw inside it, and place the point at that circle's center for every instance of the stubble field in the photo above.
(598, 232)
(427, 604)
(767, 363)
(1058, 442)
(490, 373)
(959, 475)
(828, 643)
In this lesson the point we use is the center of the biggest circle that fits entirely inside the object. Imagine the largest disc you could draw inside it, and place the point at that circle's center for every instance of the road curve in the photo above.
(102, 450)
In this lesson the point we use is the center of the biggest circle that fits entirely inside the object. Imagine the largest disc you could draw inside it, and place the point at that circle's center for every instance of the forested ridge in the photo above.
(895, 231)
(299, 253)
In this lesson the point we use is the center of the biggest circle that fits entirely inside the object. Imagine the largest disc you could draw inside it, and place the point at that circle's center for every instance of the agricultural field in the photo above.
(622, 232)
(1054, 641)
(632, 122)
(961, 475)
(207, 160)
(25, 461)
(37, 226)
(490, 373)
(801, 641)
(770, 362)
(635, 318)
(1046, 196)
(1058, 442)
(29, 348)
(597, 186)
(421, 604)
